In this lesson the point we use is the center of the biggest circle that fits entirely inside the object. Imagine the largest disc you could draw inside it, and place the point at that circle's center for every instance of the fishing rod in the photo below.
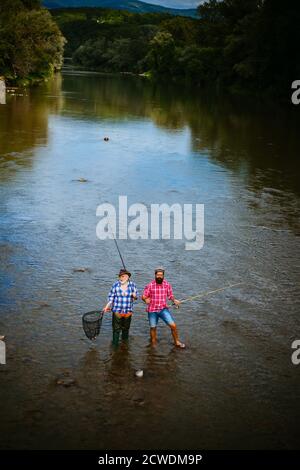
(120, 253)
(117, 245)
(188, 299)
(203, 294)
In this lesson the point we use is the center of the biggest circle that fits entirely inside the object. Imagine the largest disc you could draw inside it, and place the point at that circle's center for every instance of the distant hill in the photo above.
(135, 6)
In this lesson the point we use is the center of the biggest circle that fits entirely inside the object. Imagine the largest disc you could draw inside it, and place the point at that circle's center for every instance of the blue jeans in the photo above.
(164, 314)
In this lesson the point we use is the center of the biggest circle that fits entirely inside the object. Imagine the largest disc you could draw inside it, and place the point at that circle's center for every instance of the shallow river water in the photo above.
(235, 385)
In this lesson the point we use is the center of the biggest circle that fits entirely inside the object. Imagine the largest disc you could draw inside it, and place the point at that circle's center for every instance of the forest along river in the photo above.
(235, 384)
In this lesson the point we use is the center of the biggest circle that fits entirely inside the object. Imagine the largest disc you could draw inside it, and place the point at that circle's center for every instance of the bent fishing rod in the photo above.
(204, 294)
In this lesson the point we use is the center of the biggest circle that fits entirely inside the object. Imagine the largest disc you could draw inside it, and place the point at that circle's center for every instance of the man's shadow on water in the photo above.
(105, 365)
(123, 402)
(138, 403)
(158, 366)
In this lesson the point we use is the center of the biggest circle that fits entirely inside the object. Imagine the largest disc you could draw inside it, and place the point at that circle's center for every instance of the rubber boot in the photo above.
(125, 334)
(116, 336)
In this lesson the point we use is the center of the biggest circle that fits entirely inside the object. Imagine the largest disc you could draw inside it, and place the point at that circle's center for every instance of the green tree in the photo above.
(92, 54)
(183, 30)
(255, 40)
(201, 65)
(162, 55)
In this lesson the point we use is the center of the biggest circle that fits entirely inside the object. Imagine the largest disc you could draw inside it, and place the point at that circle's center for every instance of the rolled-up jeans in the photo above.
(164, 314)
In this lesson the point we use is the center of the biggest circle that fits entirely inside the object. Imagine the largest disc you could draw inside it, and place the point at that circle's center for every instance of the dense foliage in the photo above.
(31, 44)
(237, 43)
(253, 43)
(242, 44)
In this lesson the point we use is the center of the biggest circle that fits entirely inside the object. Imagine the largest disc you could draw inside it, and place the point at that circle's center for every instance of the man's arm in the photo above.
(171, 296)
(107, 307)
(135, 292)
(111, 296)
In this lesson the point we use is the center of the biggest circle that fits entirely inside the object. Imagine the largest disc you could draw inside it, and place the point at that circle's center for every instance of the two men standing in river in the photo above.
(155, 295)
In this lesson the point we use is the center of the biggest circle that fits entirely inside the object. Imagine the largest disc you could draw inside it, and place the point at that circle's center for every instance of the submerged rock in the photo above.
(65, 380)
(81, 270)
(42, 304)
(139, 401)
(81, 180)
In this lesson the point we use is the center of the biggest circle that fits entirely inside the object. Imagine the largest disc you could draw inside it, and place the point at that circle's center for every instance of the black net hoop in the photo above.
(91, 322)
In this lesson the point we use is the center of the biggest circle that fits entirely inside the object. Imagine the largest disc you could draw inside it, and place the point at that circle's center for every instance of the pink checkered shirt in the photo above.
(158, 293)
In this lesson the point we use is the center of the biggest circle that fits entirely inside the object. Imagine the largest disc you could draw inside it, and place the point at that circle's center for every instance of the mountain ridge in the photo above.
(134, 6)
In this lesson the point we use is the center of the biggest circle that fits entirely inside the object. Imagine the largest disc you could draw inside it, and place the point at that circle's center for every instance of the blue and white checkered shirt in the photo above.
(121, 301)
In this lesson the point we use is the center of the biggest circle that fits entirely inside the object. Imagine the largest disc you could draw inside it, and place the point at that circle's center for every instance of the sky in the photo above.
(175, 3)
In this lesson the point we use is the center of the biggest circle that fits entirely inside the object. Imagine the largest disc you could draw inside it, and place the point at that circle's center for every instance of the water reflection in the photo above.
(24, 122)
(239, 133)
(243, 136)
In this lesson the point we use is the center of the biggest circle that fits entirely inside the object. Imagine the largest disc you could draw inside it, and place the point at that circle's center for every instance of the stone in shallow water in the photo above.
(65, 380)
(81, 270)
(139, 400)
(81, 180)
(42, 304)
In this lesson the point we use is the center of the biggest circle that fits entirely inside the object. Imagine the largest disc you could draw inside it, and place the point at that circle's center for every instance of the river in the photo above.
(235, 385)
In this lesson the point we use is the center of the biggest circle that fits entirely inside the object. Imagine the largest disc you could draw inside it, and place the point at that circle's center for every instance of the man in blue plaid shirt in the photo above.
(120, 302)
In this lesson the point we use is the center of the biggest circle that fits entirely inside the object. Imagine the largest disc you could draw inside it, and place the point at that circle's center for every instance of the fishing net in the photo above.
(91, 322)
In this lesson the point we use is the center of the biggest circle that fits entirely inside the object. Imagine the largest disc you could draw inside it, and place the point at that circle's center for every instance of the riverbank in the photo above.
(2, 91)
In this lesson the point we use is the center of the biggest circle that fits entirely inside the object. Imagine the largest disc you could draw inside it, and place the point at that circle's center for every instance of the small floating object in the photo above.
(65, 381)
(82, 180)
(80, 270)
(139, 373)
(106, 139)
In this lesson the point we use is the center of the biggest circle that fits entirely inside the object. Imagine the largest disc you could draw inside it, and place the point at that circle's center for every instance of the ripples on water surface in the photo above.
(235, 385)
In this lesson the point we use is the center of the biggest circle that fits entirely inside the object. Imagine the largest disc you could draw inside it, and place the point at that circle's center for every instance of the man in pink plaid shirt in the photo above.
(155, 295)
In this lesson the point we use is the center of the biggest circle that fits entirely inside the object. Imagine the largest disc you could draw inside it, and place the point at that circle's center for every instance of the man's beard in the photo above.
(159, 280)
(123, 282)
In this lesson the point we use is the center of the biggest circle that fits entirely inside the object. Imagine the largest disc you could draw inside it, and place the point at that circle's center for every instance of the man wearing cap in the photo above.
(155, 295)
(120, 302)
